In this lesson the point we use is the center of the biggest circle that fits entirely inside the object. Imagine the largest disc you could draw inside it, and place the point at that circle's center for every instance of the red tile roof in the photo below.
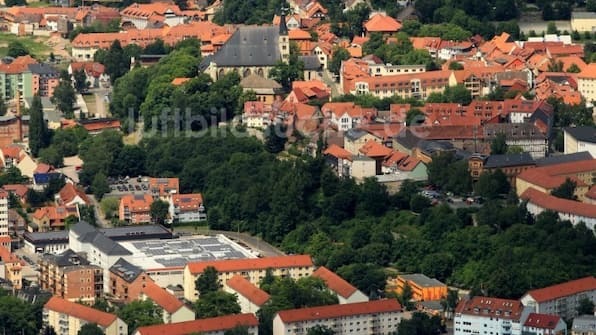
(589, 72)
(59, 213)
(382, 23)
(161, 297)
(553, 176)
(375, 149)
(18, 189)
(543, 321)
(101, 124)
(334, 311)
(188, 202)
(564, 289)
(408, 164)
(12, 151)
(201, 326)
(559, 205)
(137, 203)
(245, 288)
(91, 68)
(298, 34)
(231, 265)
(491, 307)
(69, 192)
(338, 152)
(179, 81)
(79, 311)
(164, 185)
(334, 282)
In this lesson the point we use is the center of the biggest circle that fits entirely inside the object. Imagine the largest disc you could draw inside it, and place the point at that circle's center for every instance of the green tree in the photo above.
(159, 211)
(450, 302)
(458, 94)
(573, 68)
(238, 330)
(565, 190)
(3, 107)
(591, 5)
(368, 278)
(414, 117)
(51, 156)
(109, 206)
(208, 281)
(117, 63)
(498, 146)
(339, 55)
(286, 73)
(90, 329)
(492, 184)
(100, 185)
(140, 313)
(275, 138)
(38, 131)
(320, 330)
(585, 306)
(64, 96)
(16, 49)
(17, 316)
(405, 298)
(455, 66)
(216, 303)
(551, 27)
(420, 323)
(80, 80)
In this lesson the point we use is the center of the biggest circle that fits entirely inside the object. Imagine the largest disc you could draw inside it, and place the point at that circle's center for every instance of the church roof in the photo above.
(250, 46)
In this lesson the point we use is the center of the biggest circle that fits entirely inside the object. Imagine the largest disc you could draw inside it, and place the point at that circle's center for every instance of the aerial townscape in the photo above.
(297, 167)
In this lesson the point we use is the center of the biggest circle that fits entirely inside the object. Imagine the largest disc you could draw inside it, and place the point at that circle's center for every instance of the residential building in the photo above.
(510, 164)
(211, 326)
(381, 23)
(95, 74)
(295, 267)
(51, 218)
(584, 325)
(28, 77)
(485, 314)
(96, 126)
(71, 277)
(423, 287)
(578, 139)
(52, 242)
(376, 317)
(4, 217)
(250, 297)
(346, 115)
(256, 114)
(266, 90)
(544, 324)
(162, 187)
(561, 299)
(67, 318)
(187, 208)
(127, 281)
(573, 211)
(355, 138)
(142, 16)
(135, 208)
(586, 82)
(70, 195)
(10, 268)
(346, 293)
(417, 85)
(583, 21)
(524, 135)
(172, 309)
(339, 159)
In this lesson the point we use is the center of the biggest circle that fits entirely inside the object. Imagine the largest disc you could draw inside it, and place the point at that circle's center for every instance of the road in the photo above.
(329, 81)
(405, 13)
(253, 242)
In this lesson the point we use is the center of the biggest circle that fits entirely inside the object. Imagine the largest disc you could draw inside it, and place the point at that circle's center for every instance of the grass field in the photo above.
(36, 45)
(91, 104)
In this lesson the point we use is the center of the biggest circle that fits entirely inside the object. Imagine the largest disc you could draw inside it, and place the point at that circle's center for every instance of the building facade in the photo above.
(211, 326)
(491, 315)
(423, 287)
(67, 318)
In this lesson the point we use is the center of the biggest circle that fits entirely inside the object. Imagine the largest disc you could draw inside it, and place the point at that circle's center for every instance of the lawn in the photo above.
(90, 102)
(36, 45)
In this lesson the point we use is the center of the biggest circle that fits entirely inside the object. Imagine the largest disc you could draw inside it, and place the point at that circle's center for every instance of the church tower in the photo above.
(284, 40)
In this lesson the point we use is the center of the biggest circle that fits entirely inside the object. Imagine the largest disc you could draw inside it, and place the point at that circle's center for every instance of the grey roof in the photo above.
(583, 133)
(67, 258)
(434, 305)
(81, 228)
(354, 134)
(362, 158)
(250, 46)
(430, 147)
(88, 234)
(255, 81)
(499, 161)
(583, 15)
(574, 157)
(584, 324)
(125, 270)
(311, 63)
(43, 69)
(513, 131)
(136, 231)
(422, 280)
(52, 236)
(407, 139)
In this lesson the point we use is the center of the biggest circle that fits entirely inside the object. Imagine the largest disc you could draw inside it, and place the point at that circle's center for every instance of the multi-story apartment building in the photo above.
(71, 277)
(250, 296)
(372, 317)
(578, 139)
(172, 309)
(28, 77)
(584, 325)
(346, 293)
(163, 187)
(211, 326)
(142, 15)
(187, 208)
(491, 316)
(135, 208)
(423, 287)
(67, 318)
(586, 82)
(127, 281)
(417, 85)
(543, 324)
(4, 237)
(561, 299)
(253, 269)
(10, 268)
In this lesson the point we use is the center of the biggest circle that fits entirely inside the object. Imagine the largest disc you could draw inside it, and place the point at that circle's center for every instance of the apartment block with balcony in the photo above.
(10, 268)
(187, 208)
(135, 208)
(67, 318)
(491, 316)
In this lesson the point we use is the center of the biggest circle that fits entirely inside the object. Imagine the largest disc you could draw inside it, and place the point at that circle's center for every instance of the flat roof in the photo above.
(157, 254)
(135, 232)
(422, 280)
(52, 236)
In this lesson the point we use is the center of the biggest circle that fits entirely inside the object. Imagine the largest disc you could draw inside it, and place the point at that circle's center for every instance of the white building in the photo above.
(578, 139)
(485, 315)
(561, 299)
(250, 297)
(187, 208)
(254, 270)
(377, 70)
(211, 326)
(173, 310)
(543, 324)
(141, 15)
(584, 325)
(374, 317)
(67, 318)
(345, 292)
(4, 237)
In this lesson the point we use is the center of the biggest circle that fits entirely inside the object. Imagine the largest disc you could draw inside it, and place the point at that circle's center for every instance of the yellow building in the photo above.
(586, 82)
(10, 268)
(253, 269)
(583, 21)
(423, 287)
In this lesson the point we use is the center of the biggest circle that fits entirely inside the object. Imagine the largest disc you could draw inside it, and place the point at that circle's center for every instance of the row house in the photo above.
(524, 135)
(544, 324)
(257, 114)
(295, 267)
(418, 85)
(68, 317)
(372, 317)
(70, 277)
(4, 229)
(568, 210)
(586, 82)
(347, 115)
(163, 187)
(213, 326)
(143, 15)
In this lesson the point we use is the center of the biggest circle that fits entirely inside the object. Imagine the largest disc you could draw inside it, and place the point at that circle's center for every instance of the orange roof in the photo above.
(338, 152)
(12, 151)
(375, 149)
(360, 40)
(164, 185)
(100, 124)
(201, 326)
(570, 60)
(58, 213)
(69, 192)
(564, 289)
(304, 111)
(334, 282)
(426, 42)
(493, 307)
(569, 49)
(179, 81)
(589, 72)
(19, 190)
(137, 203)
(355, 51)
(245, 288)
(552, 176)
(382, 23)
(8, 257)
(188, 202)
(80, 311)
(426, 79)
(395, 158)
(19, 65)
(335, 311)
(298, 34)
(315, 7)
(560, 205)
(408, 164)
(231, 265)
(341, 108)
(161, 297)
(137, 10)
(543, 321)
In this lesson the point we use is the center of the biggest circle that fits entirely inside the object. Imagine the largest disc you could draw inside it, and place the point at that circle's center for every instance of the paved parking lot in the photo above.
(130, 186)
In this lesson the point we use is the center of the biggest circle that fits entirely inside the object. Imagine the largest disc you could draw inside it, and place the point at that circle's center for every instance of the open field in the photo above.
(36, 45)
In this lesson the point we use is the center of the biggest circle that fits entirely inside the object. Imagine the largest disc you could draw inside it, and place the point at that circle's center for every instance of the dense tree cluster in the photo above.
(401, 52)
(140, 313)
(248, 12)
(18, 316)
